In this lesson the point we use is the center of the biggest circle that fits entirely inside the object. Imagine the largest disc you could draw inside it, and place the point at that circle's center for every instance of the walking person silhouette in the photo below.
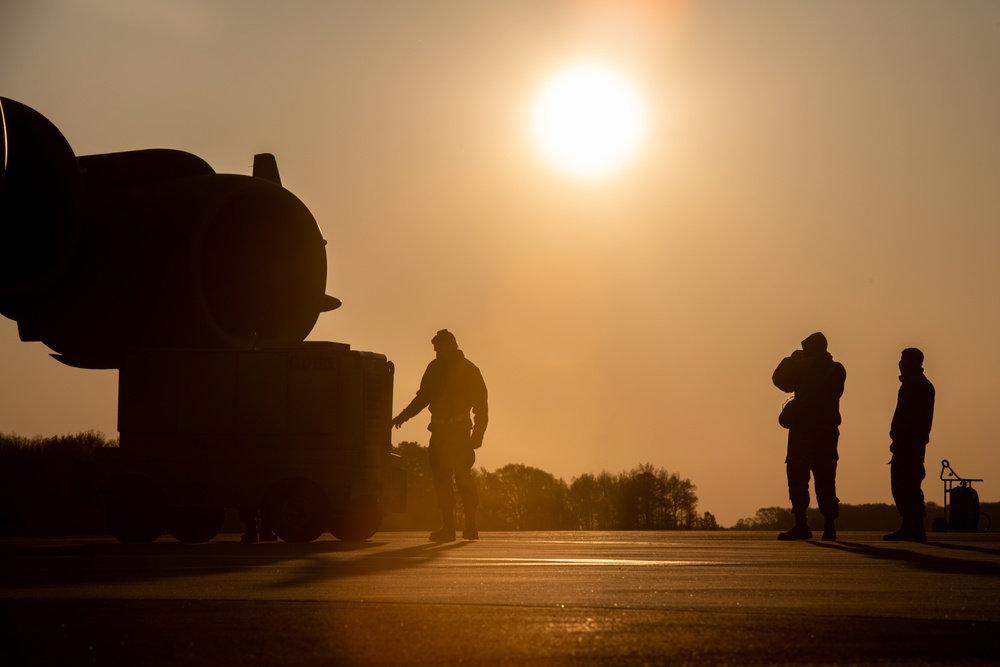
(451, 387)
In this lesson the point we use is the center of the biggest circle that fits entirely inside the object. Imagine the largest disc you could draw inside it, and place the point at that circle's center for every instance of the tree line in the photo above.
(36, 494)
(36, 497)
(865, 517)
(36, 484)
(519, 497)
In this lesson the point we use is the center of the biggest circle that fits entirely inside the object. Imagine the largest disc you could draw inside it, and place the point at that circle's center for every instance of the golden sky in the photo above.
(805, 167)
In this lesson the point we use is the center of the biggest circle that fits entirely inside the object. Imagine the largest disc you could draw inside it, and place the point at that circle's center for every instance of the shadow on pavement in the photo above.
(965, 547)
(320, 569)
(31, 564)
(917, 557)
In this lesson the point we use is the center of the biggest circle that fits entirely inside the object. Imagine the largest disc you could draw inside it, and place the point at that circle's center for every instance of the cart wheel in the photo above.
(134, 509)
(296, 509)
(939, 525)
(196, 524)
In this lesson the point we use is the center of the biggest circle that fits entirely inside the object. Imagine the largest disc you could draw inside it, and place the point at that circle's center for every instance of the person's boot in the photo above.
(445, 533)
(470, 532)
(917, 532)
(800, 531)
(829, 531)
(912, 530)
(902, 535)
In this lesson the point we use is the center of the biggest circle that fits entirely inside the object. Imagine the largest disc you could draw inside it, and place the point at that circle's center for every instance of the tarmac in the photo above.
(510, 598)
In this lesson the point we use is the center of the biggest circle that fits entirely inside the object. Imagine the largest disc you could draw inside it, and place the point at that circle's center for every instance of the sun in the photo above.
(588, 120)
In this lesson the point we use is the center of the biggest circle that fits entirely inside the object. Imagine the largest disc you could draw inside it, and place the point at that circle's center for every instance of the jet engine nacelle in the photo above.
(104, 254)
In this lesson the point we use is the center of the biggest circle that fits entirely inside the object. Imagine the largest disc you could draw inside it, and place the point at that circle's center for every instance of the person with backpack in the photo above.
(812, 418)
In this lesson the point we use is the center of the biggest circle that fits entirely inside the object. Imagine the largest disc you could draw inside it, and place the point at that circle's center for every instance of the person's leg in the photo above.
(905, 477)
(466, 484)
(918, 507)
(825, 478)
(442, 471)
(900, 496)
(797, 473)
(906, 492)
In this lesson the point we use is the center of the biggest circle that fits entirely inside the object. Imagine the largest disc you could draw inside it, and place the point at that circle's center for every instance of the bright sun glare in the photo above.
(588, 120)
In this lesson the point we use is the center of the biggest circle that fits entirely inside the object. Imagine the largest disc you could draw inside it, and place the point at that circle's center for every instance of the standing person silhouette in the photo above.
(910, 432)
(812, 418)
(451, 387)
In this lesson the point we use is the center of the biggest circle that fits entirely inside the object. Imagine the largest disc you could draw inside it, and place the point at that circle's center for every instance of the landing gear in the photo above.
(296, 510)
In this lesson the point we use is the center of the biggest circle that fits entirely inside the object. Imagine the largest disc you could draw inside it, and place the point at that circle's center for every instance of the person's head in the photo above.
(444, 341)
(911, 359)
(814, 344)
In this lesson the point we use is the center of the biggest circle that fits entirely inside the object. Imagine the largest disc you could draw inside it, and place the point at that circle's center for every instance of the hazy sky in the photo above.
(806, 167)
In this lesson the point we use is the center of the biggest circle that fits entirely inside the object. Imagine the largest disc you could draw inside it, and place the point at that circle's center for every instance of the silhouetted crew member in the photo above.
(813, 421)
(910, 432)
(451, 387)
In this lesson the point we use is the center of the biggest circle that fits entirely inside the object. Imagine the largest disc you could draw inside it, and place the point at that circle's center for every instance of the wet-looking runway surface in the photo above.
(606, 598)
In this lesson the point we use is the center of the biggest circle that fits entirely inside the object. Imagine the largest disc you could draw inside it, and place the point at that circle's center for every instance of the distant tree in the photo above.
(651, 499)
(680, 501)
(494, 513)
(637, 498)
(592, 500)
(708, 522)
(767, 518)
(532, 499)
(78, 447)
(582, 496)
(607, 498)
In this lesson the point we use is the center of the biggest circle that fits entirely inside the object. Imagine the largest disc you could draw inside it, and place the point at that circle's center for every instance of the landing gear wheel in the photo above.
(196, 524)
(359, 521)
(134, 509)
(296, 510)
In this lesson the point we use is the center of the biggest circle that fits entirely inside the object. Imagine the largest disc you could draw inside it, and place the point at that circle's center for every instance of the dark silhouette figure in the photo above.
(812, 418)
(910, 432)
(451, 387)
